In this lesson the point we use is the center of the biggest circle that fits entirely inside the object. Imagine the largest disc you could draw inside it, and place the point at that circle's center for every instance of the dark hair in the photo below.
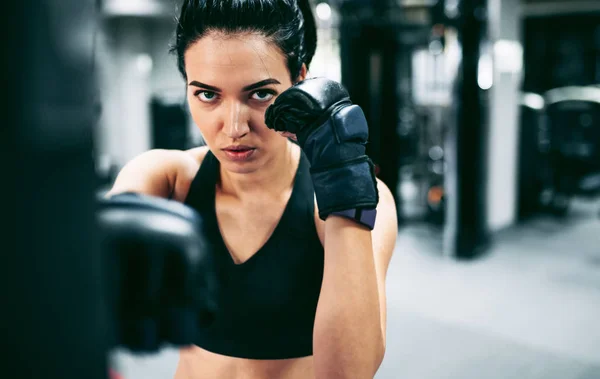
(290, 24)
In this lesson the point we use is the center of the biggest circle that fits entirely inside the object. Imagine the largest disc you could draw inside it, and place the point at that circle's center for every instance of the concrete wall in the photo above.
(133, 65)
(505, 49)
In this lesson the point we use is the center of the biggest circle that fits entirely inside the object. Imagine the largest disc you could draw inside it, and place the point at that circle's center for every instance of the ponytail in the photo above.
(310, 32)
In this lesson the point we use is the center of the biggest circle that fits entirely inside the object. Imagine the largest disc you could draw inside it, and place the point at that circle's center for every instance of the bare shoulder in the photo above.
(159, 172)
(198, 153)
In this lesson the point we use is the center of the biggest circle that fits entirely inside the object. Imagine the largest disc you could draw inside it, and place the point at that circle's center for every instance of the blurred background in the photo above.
(484, 121)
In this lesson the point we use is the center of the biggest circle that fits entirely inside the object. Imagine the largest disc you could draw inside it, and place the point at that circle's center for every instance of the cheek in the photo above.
(258, 125)
(204, 120)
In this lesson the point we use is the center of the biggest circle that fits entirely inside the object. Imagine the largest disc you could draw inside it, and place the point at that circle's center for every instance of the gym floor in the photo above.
(529, 309)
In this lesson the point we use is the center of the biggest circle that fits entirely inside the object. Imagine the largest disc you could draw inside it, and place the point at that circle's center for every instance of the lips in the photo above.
(239, 153)
(238, 148)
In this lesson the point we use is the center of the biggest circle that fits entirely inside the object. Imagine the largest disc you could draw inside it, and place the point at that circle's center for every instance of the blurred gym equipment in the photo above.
(170, 128)
(559, 124)
(568, 45)
(377, 42)
(534, 165)
(573, 117)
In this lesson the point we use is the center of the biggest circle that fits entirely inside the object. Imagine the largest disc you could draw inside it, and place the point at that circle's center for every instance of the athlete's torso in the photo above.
(280, 327)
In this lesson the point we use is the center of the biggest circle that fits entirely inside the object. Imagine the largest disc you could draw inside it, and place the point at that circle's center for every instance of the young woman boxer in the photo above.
(304, 295)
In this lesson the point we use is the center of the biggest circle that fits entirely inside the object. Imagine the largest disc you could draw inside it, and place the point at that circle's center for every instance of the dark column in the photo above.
(55, 324)
(369, 55)
(466, 231)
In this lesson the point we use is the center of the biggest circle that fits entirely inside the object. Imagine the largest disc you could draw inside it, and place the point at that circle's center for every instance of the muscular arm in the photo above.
(162, 173)
(349, 335)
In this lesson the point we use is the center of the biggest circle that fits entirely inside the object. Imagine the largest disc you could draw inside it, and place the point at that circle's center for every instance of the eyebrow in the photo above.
(245, 89)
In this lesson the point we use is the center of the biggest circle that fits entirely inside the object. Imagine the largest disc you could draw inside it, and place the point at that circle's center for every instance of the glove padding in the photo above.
(333, 133)
(162, 277)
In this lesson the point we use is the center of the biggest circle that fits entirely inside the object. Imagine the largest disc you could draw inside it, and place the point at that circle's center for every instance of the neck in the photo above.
(272, 178)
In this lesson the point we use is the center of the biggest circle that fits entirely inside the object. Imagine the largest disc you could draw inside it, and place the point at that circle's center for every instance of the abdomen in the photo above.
(197, 363)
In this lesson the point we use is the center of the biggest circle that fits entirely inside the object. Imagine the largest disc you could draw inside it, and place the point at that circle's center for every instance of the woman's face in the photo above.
(231, 82)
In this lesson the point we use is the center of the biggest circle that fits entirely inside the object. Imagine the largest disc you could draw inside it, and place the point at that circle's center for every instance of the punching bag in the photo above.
(55, 323)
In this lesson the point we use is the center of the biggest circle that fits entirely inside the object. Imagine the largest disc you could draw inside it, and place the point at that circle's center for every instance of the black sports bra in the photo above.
(267, 304)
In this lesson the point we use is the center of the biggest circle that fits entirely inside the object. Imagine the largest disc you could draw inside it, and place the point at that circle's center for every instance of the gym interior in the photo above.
(484, 120)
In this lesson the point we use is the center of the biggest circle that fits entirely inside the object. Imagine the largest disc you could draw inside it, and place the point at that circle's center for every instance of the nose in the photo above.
(236, 120)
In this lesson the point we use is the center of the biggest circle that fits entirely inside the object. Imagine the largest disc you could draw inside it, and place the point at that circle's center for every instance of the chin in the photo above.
(240, 166)
(237, 168)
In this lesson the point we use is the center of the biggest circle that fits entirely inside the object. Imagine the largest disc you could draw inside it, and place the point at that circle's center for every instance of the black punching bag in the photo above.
(53, 315)
(466, 234)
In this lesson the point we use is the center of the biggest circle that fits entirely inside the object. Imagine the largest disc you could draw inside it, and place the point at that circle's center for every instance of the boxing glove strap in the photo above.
(365, 217)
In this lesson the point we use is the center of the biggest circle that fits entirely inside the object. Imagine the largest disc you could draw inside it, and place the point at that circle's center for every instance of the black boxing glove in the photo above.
(162, 279)
(333, 133)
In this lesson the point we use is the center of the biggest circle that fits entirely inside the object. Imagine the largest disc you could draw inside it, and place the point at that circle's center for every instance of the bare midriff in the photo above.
(197, 363)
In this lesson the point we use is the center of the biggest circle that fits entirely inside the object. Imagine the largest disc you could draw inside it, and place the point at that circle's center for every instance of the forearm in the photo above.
(348, 341)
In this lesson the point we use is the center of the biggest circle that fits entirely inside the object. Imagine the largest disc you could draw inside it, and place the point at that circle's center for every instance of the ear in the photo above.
(303, 73)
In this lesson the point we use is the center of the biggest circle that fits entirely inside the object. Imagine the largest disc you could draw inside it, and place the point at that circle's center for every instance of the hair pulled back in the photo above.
(289, 24)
